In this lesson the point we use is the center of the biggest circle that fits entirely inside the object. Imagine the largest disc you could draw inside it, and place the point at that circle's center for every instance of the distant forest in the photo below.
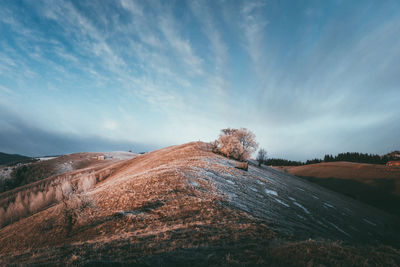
(348, 156)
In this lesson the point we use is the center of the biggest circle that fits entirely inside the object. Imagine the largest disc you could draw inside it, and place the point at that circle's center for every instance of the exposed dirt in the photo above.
(186, 205)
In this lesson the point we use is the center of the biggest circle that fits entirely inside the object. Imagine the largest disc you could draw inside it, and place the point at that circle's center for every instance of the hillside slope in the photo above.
(376, 185)
(6, 159)
(184, 204)
(347, 170)
(46, 167)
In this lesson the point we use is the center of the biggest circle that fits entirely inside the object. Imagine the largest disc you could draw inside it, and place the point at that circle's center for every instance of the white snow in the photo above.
(5, 173)
(230, 182)
(231, 195)
(253, 189)
(369, 222)
(120, 155)
(339, 229)
(271, 192)
(329, 205)
(193, 183)
(281, 202)
(46, 158)
(299, 205)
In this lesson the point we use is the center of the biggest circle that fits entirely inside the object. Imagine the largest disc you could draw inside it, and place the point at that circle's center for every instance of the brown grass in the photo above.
(376, 185)
(362, 172)
(147, 213)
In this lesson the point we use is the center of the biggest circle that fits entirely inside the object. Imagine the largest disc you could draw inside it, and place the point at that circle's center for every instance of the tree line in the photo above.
(348, 156)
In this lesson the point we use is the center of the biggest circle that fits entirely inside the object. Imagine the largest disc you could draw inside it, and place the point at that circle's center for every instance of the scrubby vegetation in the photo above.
(12, 159)
(26, 174)
(74, 201)
(35, 197)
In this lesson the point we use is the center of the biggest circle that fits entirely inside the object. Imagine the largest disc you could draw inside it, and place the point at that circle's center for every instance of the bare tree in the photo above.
(261, 156)
(74, 202)
(236, 143)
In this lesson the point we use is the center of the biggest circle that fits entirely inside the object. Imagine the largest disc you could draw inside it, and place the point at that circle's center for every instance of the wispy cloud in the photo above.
(253, 26)
(181, 45)
(129, 70)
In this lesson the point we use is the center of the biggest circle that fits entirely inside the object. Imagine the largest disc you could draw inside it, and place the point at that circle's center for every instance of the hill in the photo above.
(49, 166)
(376, 185)
(10, 159)
(186, 205)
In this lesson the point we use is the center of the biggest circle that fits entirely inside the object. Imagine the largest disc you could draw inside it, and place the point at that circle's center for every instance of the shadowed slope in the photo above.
(376, 185)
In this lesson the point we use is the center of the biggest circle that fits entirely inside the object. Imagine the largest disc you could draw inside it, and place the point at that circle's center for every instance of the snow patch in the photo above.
(242, 206)
(253, 189)
(231, 182)
(120, 155)
(271, 192)
(339, 229)
(301, 206)
(46, 158)
(231, 195)
(369, 222)
(192, 183)
(329, 205)
(281, 202)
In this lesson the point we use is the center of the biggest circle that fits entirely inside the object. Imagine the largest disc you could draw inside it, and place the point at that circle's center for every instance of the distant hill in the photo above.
(47, 166)
(394, 154)
(9, 159)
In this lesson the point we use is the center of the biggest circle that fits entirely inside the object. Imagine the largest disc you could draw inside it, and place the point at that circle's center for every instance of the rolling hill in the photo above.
(184, 205)
(43, 168)
(9, 159)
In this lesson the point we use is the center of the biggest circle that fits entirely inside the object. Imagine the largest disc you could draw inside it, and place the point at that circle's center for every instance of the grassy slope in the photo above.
(145, 213)
(376, 185)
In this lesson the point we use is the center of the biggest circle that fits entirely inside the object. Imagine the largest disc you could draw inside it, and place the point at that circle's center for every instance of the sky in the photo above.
(307, 77)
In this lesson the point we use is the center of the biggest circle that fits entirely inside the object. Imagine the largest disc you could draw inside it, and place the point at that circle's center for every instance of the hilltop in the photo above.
(186, 205)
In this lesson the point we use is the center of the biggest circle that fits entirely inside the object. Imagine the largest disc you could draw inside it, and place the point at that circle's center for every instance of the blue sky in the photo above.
(307, 77)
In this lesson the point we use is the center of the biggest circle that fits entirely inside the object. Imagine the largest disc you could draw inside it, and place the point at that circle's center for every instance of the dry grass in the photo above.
(362, 172)
(376, 185)
(148, 213)
(29, 199)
